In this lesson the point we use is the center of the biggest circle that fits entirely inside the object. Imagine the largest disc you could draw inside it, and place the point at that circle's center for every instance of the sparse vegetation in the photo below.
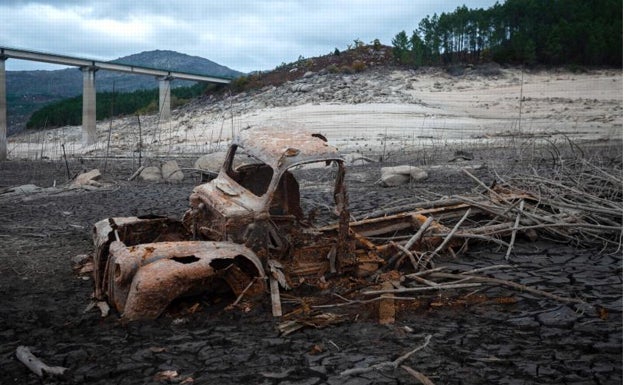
(358, 66)
(241, 82)
(332, 68)
(347, 70)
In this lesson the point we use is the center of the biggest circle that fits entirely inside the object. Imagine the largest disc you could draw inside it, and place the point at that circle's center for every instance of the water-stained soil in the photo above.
(531, 340)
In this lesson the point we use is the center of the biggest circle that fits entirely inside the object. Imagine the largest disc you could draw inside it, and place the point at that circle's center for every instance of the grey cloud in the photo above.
(244, 35)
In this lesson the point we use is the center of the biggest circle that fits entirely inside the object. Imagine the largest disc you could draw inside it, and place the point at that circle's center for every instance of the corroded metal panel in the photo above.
(285, 147)
(141, 279)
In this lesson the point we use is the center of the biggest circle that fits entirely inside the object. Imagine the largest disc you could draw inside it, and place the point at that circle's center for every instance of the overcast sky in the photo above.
(243, 35)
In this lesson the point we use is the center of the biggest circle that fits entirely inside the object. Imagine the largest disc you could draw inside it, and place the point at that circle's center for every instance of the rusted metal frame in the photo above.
(132, 266)
(123, 263)
(266, 199)
(229, 159)
(132, 231)
(344, 249)
(285, 147)
(339, 195)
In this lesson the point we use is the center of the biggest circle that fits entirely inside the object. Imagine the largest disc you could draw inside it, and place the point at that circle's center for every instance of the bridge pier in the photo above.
(164, 98)
(88, 68)
(89, 133)
(3, 110)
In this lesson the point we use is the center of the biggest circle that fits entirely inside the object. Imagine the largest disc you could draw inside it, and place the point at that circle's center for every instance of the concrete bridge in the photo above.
(88, 68)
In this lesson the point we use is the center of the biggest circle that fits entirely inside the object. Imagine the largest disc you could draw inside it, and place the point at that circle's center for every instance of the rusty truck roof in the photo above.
(284, 147)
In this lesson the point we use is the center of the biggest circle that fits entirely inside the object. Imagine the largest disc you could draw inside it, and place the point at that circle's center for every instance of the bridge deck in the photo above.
(6, 53)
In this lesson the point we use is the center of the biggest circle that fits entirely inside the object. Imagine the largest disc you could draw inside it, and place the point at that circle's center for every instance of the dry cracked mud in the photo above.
(531, 341)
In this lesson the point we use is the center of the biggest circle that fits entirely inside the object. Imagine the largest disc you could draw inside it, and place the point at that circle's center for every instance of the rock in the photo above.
(151, 174)
(171, 171)
(86, 178)
(79, 259)
(461, 155)
(301, 87)
(359, 177)
(392, 180)
(210, 162)
(395, 176)
(308, 74)
(23, 189)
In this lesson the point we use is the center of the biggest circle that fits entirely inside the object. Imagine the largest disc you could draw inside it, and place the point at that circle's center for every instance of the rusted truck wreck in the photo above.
(245, 231)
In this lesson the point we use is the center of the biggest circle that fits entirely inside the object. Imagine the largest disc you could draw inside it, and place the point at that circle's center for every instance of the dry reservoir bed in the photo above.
(509, 338)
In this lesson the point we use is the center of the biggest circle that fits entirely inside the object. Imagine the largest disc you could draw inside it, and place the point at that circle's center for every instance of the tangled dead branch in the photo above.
(582, 207)
(579, 205)
(387, 364)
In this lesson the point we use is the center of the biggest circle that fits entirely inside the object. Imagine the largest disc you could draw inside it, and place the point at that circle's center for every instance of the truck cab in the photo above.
(239, 227)
(255, 199)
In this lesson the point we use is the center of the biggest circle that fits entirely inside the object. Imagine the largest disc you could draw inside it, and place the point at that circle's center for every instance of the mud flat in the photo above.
(526, 340)
(510, 122)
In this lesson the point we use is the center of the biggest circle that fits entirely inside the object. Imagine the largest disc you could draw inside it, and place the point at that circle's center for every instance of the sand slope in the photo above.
(373, 109)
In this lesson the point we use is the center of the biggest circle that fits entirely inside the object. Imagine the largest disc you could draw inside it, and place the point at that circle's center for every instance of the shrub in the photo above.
(178, 101)
(575, 68)
(240, 83)
(149, 109)
(489, 69)
(347, 70)
(333, 69)
(455, 70)
(358, 66)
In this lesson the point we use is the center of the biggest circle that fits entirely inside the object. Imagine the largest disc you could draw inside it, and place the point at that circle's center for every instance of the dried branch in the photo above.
(387, 364)
(417, 375)
(411, 242)
(35, 365)
(450, 235)
(422, 288)
(350, 302)
(514, 231)
(407, 253)
(240, 296)
(482, 269)
(515, 285)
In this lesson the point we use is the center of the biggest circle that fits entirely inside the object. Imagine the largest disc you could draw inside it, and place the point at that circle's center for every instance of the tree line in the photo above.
(550, 32)
(68, 112)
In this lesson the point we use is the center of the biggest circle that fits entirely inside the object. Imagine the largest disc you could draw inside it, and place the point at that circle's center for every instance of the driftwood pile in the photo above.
(580, 204)
(583, 208)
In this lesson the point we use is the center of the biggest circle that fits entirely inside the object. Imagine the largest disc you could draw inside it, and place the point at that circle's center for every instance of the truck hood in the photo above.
(228, 198)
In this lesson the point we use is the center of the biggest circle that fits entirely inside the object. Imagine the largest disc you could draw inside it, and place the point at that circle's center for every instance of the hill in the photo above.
(28, 91)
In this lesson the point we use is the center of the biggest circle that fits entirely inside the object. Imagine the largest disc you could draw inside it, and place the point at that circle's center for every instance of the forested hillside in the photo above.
(527, 32)
(69, 111)
(550, 32)
(28, 91)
